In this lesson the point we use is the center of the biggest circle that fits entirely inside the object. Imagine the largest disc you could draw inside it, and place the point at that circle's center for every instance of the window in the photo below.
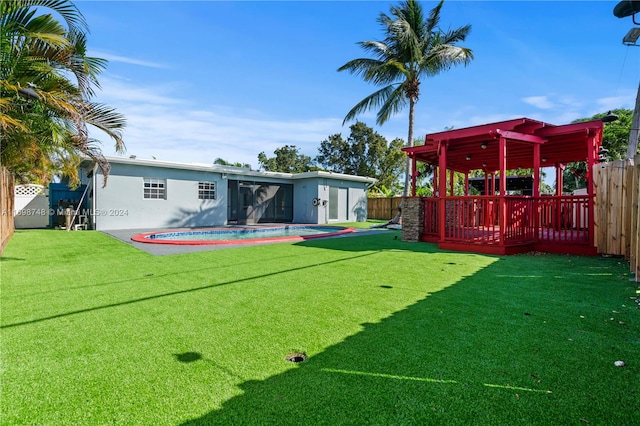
(206, 190)
(155, 189)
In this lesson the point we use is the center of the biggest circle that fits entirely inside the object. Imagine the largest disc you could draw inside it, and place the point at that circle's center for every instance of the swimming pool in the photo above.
(241, 235)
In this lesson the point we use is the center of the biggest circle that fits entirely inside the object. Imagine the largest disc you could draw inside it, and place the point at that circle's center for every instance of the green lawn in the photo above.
(96, 332)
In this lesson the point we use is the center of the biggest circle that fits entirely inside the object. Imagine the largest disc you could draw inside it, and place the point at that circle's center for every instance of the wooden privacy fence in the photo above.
(6, 207)
(382, 208)
(616, 213)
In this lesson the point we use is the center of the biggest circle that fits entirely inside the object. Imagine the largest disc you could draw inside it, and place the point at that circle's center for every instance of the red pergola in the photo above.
(521, 223)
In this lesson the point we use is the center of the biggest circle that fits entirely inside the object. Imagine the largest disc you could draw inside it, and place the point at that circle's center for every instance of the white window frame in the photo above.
(206, 190)
(157, 192)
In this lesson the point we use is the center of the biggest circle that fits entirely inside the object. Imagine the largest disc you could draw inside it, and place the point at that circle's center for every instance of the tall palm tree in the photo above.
(414, 47)
(46, 85)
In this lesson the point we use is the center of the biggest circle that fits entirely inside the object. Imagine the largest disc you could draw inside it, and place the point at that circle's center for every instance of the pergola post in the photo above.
(593, 145)
(536, 192)
(413, 175)
(487, 202)
(435, 181)
(536, 170)
(559, 178)
(466, 183)
(451, 183)
(502, 210)
(557, 217)
(486, 183)
(442, 190)
(492, 185)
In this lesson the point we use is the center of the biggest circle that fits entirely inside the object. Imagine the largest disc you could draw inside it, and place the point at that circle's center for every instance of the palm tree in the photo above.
(46, 85)
(414, 47)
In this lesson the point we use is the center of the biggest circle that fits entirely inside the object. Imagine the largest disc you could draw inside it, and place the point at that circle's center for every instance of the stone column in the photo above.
(412, 219)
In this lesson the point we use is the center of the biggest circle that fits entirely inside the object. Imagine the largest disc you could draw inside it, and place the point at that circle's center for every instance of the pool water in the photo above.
(241, 235)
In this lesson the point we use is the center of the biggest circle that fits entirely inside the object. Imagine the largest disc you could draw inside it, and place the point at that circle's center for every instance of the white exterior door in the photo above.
(338, 204)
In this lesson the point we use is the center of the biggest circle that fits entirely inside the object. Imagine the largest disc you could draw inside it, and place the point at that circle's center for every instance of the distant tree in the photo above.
(424, 173)
(615, 135)
(287, 160)
(574, 176)
(615, 139)
(424, 179)
(382, 191)
(222, 162)
(414, 47)
(364, 153)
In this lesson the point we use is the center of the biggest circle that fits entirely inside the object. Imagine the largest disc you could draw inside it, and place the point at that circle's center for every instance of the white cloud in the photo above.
(123, 59)
(165, 124)
(169, 128)
(625, 100)
(120, 91)
(541, 102)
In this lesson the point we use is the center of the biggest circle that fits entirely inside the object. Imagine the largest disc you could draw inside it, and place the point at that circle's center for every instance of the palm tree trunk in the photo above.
(408, 169)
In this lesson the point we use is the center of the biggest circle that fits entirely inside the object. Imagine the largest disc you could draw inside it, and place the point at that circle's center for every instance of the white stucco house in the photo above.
(144, 193)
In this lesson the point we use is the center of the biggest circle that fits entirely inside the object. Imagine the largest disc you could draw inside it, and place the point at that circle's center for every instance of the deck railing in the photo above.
(564, 219)
(430, 208)
(476, 219)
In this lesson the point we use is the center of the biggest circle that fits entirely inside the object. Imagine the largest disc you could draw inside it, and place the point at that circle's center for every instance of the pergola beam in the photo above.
(522, 137)
(574, 128)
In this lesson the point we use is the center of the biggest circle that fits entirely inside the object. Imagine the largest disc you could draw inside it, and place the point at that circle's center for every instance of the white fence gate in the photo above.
(31, 206)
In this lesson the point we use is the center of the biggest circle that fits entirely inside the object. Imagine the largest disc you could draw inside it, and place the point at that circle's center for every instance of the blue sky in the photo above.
(207, 79)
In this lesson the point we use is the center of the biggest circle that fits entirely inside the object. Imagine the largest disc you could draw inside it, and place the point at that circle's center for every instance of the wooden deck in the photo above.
(510, 224)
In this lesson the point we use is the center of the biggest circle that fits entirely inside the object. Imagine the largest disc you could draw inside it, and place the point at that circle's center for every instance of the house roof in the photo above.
(231, 170)
(476, 147)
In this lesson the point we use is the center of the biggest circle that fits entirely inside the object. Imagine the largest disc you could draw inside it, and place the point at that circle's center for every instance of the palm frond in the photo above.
(378, 48)
(11, 124)
(393, 104)
(443, 57)
(457, 35)
(74, 19)
(361, 66)
(392, 71)
(433, 21)
(108, 120)
(375, 99)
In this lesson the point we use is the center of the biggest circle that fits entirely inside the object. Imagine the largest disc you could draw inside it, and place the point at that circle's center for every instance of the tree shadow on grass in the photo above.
(468, 354)
(362, 247)
(184, 291)
(143, 276)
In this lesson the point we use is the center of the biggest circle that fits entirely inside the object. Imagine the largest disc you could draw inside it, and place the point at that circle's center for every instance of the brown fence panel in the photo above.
(616, 213)
(610, 206)
(600, 208)
(382, 208)
(6, 207)
(634, 240)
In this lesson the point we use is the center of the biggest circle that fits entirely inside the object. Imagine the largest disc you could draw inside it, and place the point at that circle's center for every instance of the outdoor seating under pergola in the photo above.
(496, 222)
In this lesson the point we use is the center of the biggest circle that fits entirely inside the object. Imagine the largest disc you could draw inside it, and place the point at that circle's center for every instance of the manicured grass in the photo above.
(97, 332)
(363, 225)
